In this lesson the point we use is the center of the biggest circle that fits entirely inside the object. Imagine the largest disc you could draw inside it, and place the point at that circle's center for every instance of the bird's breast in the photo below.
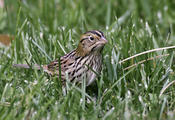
(85, 68)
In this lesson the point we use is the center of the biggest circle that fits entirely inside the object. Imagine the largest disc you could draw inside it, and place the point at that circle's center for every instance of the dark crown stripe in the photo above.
(101, 33)
(96, 33)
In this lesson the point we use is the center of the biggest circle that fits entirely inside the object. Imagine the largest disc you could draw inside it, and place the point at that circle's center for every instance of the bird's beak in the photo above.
(103, 40)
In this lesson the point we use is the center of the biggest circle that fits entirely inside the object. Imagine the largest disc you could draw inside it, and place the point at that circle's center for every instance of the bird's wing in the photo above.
(53, 67)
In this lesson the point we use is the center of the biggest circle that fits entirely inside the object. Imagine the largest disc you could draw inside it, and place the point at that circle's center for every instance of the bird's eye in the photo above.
(91, 38)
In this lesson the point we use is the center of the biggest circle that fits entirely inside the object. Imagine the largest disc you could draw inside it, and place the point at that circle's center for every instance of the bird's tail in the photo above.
(27, 66)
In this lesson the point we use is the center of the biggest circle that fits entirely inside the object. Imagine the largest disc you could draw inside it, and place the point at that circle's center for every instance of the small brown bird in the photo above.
(76, 64)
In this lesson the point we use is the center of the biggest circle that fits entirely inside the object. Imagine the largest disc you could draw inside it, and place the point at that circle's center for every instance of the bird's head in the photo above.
(91, 41)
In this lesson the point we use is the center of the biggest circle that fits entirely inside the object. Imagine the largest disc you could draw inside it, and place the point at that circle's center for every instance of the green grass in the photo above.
(47, 29)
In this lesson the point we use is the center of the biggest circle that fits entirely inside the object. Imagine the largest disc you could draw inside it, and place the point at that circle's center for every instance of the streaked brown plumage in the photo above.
(74, 64)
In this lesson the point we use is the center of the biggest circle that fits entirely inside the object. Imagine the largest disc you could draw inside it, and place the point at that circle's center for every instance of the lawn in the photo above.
(42, 30)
